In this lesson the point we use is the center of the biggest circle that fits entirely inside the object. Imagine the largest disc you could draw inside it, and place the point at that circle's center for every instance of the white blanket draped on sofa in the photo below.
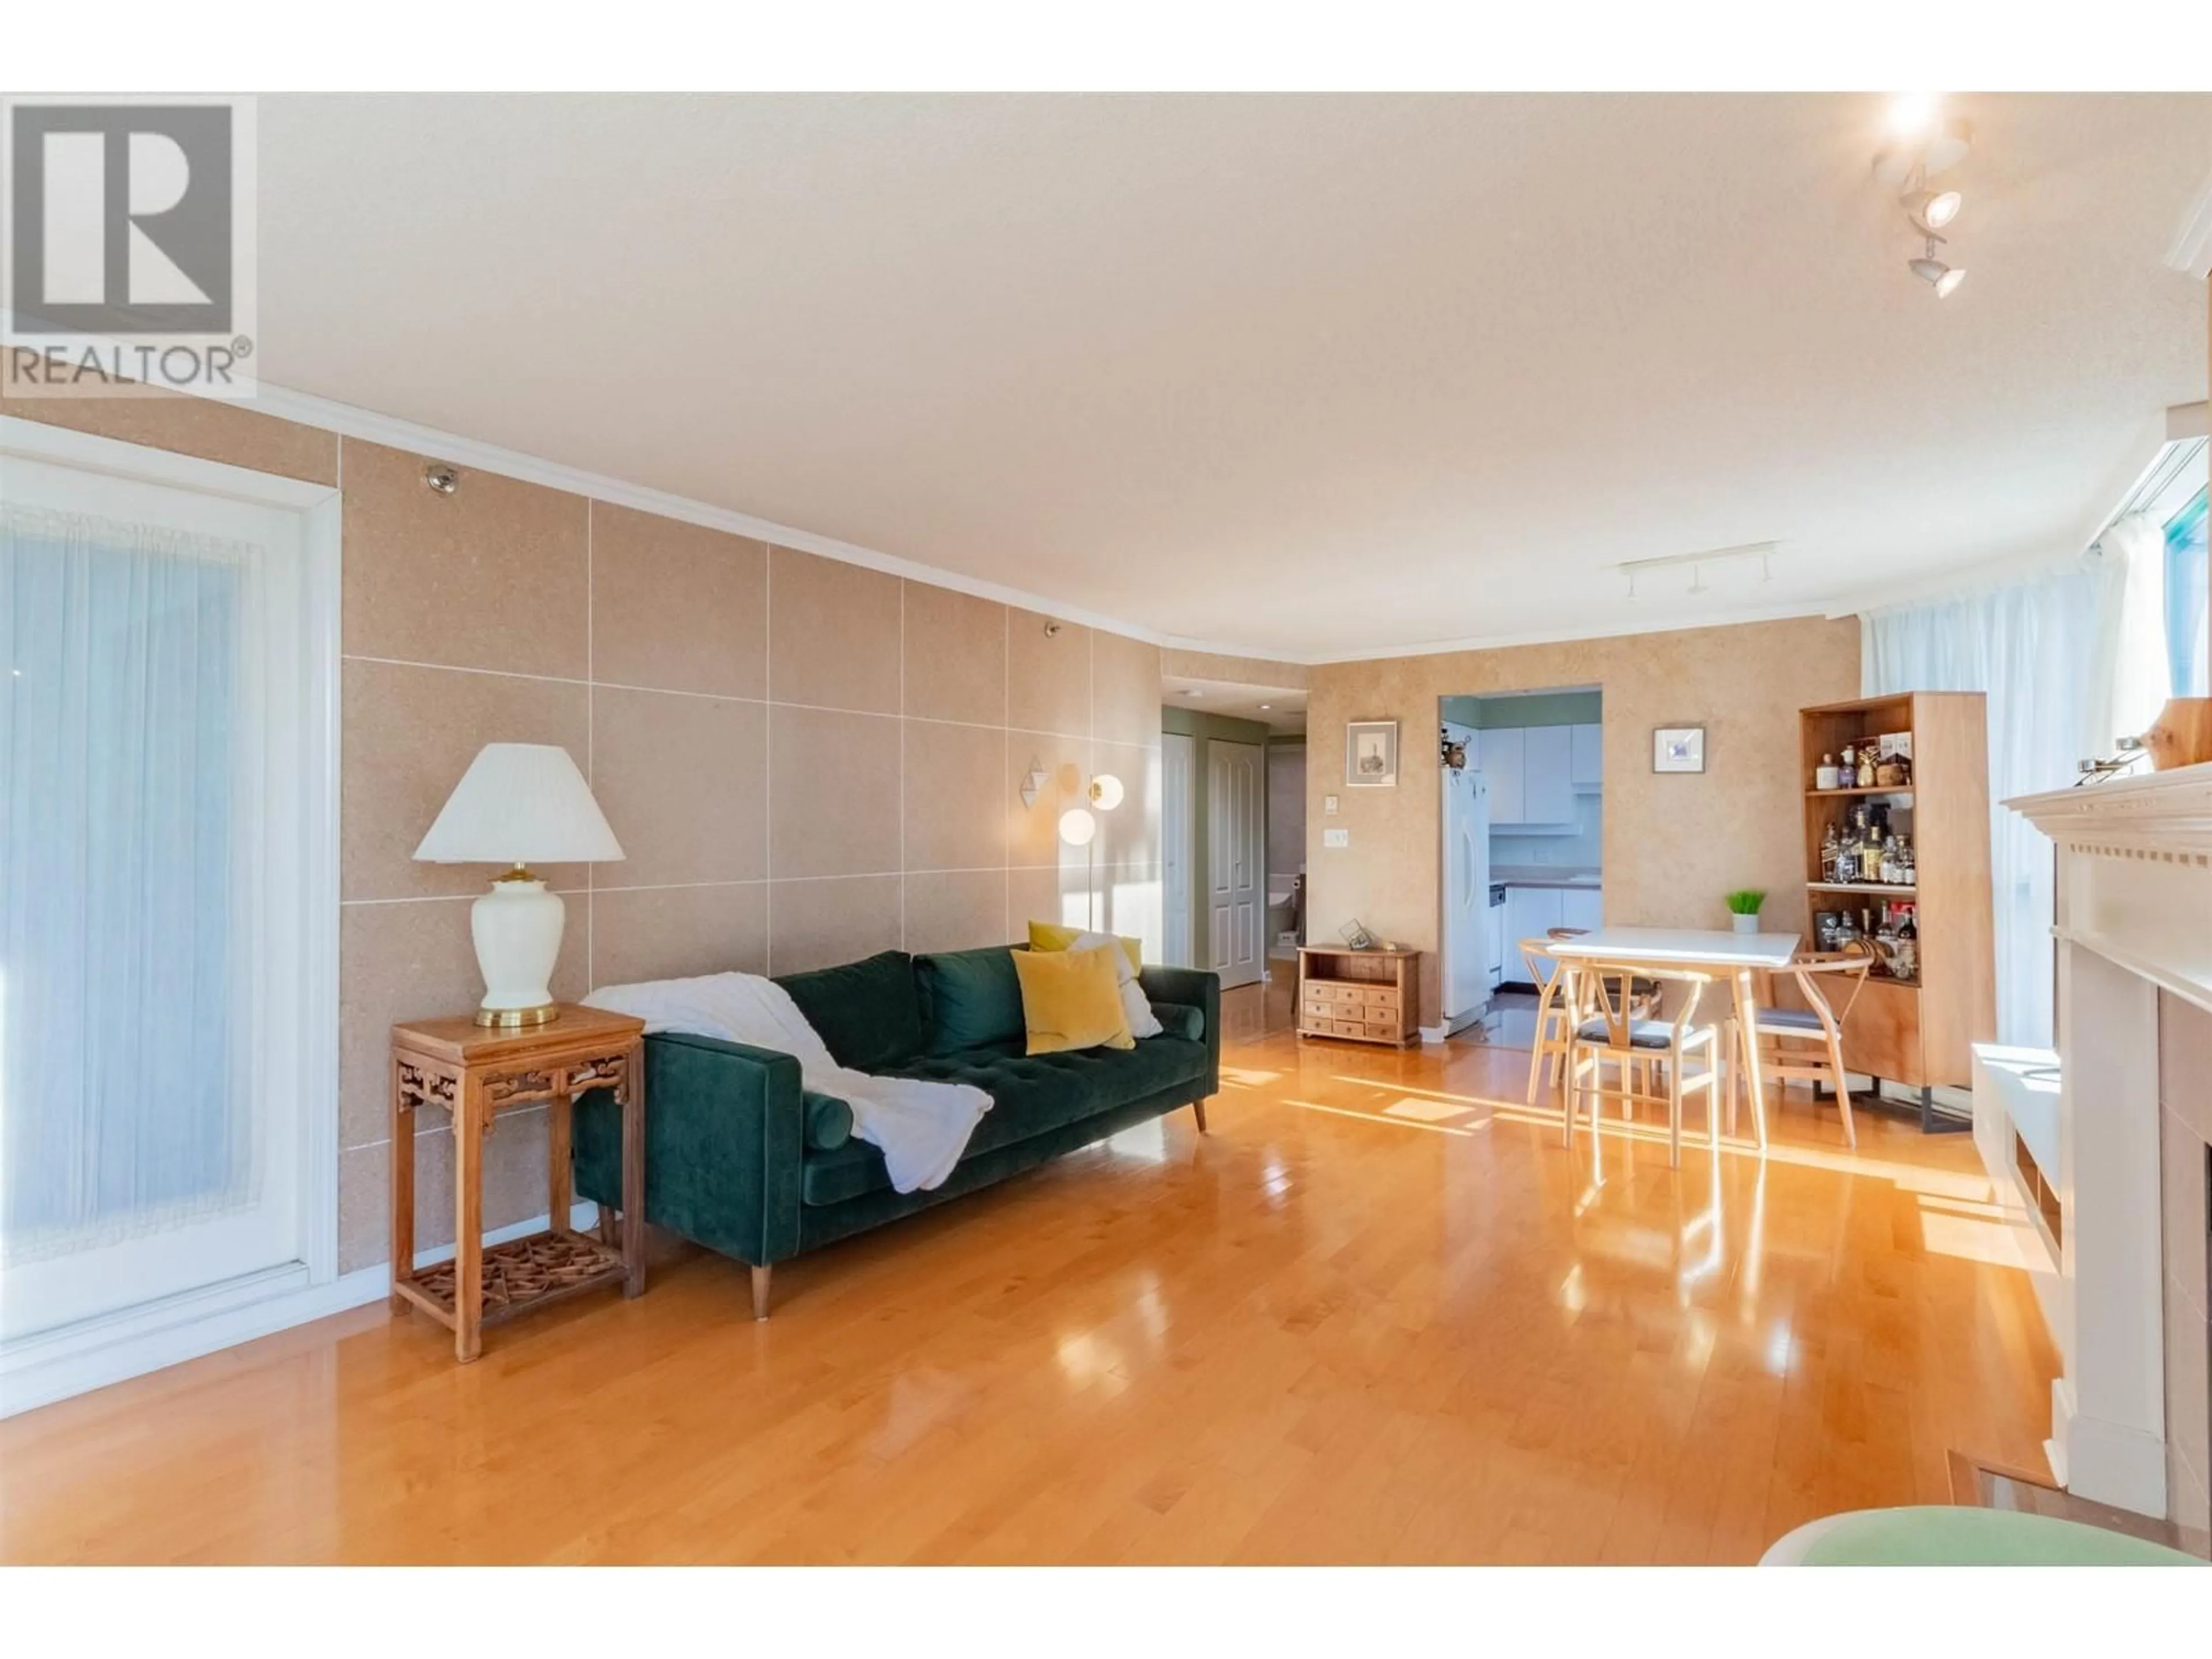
(921, 1128)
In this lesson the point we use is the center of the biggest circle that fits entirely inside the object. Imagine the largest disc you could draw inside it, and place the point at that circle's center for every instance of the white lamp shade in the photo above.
(520, 803)
(1077, 826)
(1106, 792)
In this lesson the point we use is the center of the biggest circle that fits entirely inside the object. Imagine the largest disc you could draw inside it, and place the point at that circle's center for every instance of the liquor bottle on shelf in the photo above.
(1826, 777)
(1848, 774)
(1870, 856)
(1832, 853)
(1904, 866)
(1885, 944)
(1889, 862)
(1907, 959)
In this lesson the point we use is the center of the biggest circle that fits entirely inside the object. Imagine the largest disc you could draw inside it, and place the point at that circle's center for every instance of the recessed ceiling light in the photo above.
(1266, 705)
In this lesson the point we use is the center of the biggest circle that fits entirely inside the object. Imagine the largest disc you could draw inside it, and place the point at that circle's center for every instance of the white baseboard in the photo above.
(2108, 1463)
(37, 1371)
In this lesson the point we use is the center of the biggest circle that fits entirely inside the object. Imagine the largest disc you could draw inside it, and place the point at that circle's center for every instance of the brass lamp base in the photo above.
(507, 1019)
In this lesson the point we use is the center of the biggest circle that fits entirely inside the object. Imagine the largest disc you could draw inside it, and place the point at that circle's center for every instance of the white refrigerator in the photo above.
(1467, 931)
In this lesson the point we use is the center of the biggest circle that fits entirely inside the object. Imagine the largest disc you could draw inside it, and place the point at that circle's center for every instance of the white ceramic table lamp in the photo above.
(516, 803)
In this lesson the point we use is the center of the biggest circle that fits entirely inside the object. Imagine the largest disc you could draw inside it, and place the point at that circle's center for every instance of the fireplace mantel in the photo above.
(2136, 886)
(2133, 925)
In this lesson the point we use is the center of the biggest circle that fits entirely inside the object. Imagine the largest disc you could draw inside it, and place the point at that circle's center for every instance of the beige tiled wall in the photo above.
(806, 761)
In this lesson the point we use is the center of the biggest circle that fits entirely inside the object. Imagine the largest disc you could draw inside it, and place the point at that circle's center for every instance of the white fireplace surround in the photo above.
(2133, 918)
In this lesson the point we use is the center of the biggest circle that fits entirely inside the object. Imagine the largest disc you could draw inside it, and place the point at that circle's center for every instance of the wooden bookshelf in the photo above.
(1919, 1032)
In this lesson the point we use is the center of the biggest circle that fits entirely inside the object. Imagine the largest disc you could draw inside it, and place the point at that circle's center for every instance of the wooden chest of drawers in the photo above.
(1367, 996)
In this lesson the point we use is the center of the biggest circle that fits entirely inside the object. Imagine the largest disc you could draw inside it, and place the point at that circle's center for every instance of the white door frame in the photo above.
(1178, 841)
(86, 1355)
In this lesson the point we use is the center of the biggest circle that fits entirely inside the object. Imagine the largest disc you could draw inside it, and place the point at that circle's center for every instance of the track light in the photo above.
(1944, 279)
(1933, 210)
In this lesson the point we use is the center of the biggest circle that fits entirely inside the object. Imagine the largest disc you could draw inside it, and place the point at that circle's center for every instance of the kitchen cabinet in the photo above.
(1547, 790)
(1531, 771)
(1581, 906)
(1530, 913)
(1586, 768)
(1498, 947)
(1502, 765)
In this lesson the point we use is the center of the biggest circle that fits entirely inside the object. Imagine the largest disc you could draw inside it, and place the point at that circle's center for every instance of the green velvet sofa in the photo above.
(740, 1158)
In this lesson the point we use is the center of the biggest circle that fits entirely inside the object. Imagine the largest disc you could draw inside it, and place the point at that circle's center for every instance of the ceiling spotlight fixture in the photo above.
(1933, 211)
(1944, 279)
(1926, 148)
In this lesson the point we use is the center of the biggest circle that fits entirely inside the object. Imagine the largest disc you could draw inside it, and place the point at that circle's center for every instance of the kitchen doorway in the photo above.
(1521, 846)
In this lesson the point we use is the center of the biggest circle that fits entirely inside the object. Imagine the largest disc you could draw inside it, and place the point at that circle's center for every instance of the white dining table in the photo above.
(1722, 953)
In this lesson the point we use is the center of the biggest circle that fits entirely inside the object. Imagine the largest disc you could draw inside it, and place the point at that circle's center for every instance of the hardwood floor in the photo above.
(1378, 1315)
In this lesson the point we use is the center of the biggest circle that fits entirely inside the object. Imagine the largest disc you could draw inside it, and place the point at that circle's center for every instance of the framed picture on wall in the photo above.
(1370, 754)
(1677, 749)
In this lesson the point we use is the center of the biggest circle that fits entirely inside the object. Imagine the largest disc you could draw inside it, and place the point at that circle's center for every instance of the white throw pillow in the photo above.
(1143, 1022)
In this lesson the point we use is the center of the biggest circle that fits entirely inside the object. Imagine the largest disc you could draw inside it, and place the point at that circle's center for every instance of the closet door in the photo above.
(1236, 832)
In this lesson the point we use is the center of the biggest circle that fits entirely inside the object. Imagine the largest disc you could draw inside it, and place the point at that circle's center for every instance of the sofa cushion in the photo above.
(970, 998)
(1029, 1095)
(1180, 1020)
(829, 1121)
(1073, 999)
(867, 1013)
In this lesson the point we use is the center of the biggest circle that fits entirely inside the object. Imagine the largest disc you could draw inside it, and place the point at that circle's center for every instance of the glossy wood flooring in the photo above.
(1378, 1315)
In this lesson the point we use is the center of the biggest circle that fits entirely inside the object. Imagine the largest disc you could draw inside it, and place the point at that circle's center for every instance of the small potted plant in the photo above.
(1743, 905)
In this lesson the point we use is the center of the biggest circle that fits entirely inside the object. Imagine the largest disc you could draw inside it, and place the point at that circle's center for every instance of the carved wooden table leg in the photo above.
(559, 1116)
(468, 1219)
(632, 1097)
(403, 1181)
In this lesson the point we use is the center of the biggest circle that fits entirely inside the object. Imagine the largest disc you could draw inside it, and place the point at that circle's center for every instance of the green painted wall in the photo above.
(1202, 729)
(1539, 708)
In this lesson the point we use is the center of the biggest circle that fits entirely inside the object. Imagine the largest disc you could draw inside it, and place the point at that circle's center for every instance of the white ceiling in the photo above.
(1309, 376)
(1282, 709)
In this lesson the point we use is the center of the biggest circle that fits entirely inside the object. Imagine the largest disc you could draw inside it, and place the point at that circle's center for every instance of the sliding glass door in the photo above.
(156, 758)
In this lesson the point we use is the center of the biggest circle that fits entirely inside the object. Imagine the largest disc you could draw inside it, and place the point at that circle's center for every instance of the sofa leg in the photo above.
(760, 1292)
(1198, 1107)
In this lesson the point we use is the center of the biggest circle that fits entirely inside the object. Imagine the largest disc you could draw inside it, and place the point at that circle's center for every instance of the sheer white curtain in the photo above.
(124, 1010)
(2032, 647)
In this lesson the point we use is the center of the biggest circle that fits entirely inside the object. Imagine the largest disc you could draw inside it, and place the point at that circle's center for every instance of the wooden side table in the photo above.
(477, 1072)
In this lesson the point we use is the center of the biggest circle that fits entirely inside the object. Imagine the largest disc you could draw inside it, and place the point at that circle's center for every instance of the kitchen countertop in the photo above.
(1543, 875)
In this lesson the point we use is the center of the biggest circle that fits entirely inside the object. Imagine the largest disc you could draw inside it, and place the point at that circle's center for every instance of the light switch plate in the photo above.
(1336, 837)
(1328, 804)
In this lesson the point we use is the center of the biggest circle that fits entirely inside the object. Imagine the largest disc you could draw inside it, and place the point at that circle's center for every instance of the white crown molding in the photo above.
(394, 432)
(2191, 252)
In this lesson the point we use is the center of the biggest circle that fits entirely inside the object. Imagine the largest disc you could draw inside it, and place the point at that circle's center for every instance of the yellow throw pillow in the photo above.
(1051, 936)
(1071, 1000)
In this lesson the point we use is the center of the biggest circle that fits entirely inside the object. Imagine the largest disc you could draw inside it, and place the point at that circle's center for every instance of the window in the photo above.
(2188, 601)
(167, 895)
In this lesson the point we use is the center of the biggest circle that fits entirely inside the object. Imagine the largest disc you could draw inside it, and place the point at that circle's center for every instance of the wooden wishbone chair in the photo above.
(1807, 1044)
(1553, 978)
(1607, 1031)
